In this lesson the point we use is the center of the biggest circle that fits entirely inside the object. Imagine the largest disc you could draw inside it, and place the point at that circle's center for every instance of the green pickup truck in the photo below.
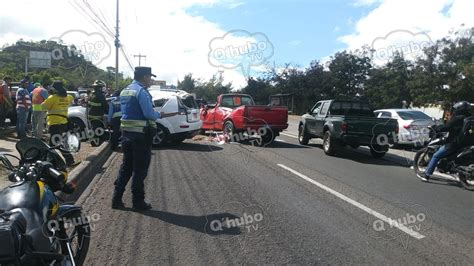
(347, 123)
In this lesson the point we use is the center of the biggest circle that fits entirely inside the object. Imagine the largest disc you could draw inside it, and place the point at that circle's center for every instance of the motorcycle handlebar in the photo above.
(55, 174)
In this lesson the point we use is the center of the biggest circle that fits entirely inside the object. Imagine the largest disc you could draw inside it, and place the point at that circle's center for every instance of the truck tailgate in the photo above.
(275, 116)
(370, 126)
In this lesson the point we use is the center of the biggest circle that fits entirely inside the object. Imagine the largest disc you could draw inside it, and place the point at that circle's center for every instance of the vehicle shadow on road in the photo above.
(189, 146)
(203, 224)
(275, 144)
(364, 157)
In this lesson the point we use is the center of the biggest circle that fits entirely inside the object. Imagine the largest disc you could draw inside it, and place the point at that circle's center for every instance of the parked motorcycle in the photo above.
(35, 229)
(459, 165)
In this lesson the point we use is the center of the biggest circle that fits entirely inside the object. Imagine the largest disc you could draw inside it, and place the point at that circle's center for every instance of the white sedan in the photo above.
(412, 124)
(187, 121)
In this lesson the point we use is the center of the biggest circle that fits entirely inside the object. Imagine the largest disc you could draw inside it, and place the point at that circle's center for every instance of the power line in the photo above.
(91, 9)
(127, 58)
(99, 25)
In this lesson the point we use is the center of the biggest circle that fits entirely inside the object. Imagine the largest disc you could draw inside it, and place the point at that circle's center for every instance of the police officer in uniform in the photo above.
(98, 107)
(115, 114)
(138, 128)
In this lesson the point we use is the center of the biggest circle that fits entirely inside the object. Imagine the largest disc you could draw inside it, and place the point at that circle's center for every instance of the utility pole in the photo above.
(117, 46)
(139, 58)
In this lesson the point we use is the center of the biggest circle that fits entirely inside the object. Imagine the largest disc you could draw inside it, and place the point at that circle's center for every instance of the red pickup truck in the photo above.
(240, 119)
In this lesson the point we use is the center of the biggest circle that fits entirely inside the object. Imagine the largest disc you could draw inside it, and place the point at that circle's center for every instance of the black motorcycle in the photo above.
(35, 229)
(459, 165)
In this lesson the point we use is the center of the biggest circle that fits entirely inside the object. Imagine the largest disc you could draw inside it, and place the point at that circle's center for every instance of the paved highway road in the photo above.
(235, 203)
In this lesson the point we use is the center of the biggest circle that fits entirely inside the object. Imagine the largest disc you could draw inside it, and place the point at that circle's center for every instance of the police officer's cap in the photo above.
(143, 71)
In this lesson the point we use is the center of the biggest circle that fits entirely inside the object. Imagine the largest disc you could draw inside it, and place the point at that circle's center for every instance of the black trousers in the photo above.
(114, 139)
(56, 133)
(136, 149)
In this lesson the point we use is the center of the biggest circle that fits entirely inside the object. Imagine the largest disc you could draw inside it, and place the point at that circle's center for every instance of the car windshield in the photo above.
(413, 115)
(233, 101)
(351, 108)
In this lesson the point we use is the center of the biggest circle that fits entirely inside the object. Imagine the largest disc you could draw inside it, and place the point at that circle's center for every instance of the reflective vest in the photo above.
(133, 119)
(57, 107)
(117, 112)
(96, 103)
(37, 99)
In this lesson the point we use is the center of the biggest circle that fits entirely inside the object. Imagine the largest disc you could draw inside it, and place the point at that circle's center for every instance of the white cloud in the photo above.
(175, 42)
(432, 18)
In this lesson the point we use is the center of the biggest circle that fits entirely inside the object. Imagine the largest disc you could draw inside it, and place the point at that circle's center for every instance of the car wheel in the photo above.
(303, 137)
(377, 152)
(267, 138)
(329, 146)
(229, 129)
(77, 125)
(161, 136)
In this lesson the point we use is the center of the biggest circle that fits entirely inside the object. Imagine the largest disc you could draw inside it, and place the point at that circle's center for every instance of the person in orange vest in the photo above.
(38, 96)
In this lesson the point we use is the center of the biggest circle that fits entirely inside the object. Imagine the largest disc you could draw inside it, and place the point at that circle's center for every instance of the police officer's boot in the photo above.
(142, 206)
(117, 202)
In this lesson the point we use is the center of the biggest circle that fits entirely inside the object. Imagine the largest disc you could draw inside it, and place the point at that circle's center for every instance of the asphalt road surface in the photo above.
(285, 203)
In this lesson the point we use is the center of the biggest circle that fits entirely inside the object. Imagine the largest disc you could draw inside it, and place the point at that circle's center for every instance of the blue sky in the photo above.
(179, 36)
(301, 31)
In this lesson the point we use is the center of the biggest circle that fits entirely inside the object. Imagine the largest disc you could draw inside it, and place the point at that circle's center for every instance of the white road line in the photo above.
(289, 135)
(357, 204)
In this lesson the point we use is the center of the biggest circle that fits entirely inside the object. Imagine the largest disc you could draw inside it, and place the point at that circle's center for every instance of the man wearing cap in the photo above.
(138, 129)
(39, 95)
(23, 104)
(57, 107)
(98, 107)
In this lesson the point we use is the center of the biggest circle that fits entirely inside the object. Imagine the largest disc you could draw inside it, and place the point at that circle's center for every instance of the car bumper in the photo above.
(273, 127)
(355, 140)
(186, 134)
(412, 139)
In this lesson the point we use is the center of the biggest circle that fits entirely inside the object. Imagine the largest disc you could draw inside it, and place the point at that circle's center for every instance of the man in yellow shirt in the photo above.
(57, 106)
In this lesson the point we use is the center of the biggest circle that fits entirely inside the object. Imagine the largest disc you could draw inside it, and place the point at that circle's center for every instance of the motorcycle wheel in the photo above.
(78, 238)
(465, 183)
(420, 162)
